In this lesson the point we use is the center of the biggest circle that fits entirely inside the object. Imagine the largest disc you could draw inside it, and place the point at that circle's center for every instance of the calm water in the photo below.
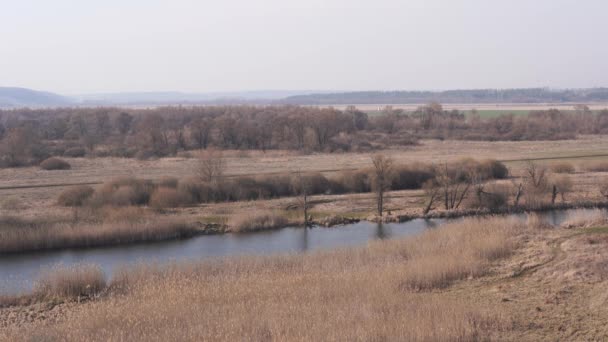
(17, 272)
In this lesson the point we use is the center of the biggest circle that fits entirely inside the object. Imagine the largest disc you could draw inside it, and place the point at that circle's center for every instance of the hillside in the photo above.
(22, 97)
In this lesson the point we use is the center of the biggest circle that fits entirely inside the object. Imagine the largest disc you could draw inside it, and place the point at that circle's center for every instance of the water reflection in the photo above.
(381, 233)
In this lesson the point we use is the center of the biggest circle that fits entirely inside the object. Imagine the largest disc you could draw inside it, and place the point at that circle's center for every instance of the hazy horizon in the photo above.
(71, 47)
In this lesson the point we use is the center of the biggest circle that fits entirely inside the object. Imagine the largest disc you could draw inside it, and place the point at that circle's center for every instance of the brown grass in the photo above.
(260, 220)
(19, 235)
(596, 166)
(68, 282)
(370, 293)
(562, 167)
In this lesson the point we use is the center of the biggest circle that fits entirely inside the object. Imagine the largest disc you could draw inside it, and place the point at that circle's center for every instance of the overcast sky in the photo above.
(75, 46)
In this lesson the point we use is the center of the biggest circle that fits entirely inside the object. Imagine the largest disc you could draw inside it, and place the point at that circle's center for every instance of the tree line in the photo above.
(28, 136)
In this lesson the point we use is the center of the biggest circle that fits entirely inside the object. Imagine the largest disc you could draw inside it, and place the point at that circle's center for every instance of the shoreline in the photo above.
(327, 222)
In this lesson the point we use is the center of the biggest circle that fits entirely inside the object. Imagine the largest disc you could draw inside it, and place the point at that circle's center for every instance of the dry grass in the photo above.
(19, 235)
(596, 166)
(371, 293)
(586, 219)
(69, 282)
(259, 220)
(562, 167)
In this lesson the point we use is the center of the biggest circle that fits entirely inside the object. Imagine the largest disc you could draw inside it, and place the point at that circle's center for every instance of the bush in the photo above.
(75, 196)
(355, 181)
(562, 167)
(168, 182)
(170, 198)
(123, 191)
(75, 152)
(411, 177)
(55, 164)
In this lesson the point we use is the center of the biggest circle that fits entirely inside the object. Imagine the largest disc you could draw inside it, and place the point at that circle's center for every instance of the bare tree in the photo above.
(454, 189)
(535, 184)
(301, 186)
(382, 177)
(433, 194)
(211, 166)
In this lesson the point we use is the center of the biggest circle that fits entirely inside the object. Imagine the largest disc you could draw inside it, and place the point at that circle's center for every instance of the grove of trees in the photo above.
(28, 136)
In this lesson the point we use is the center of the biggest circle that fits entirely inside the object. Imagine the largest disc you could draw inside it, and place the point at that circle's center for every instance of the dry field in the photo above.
(31, 192)
(478, 279)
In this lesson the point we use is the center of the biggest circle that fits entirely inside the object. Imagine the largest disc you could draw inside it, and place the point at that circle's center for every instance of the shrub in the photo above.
(75, 196)
(75, 152)
(168, 182)
(411, 177)
(170, 198)
(54, 164)
(123, 191)
(69, 282)
(355, 181)
(562, 167)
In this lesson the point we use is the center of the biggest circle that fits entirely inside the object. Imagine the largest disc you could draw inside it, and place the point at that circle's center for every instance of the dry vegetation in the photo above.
(384, 291)
(118, 227)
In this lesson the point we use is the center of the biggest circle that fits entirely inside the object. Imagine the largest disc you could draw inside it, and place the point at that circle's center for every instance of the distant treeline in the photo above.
(28, 136)
(529, 95)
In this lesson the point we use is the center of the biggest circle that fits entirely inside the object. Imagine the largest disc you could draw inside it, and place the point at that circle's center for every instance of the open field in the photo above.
(503, 281)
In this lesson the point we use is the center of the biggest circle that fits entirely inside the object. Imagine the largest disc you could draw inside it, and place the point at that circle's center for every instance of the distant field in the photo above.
(484, 109)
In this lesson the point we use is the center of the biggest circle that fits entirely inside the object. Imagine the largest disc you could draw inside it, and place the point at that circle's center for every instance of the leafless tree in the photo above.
(381, 178)
(301, 186)
(432, 191)
(211, 166)
(454, 190)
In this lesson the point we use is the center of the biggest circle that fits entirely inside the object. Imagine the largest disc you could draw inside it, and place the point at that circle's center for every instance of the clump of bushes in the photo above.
(171, 192)
(123, 192)
(563, 167)
(55, 164)
(75, 196)
(165, 197)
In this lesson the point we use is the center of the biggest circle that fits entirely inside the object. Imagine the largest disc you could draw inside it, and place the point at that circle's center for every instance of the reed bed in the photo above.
(18, 235)
(385, 291)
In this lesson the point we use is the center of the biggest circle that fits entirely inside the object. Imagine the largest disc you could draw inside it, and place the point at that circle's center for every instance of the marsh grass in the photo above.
(20, 235)
(259, 220)
(70, 281)
(385, 291)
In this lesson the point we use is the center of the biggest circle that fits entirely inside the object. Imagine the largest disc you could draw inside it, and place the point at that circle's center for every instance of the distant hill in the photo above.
(528, 95)
(160, 98)
(11, 97)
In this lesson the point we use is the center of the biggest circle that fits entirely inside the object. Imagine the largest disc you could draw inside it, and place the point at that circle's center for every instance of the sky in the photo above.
(95, 46)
